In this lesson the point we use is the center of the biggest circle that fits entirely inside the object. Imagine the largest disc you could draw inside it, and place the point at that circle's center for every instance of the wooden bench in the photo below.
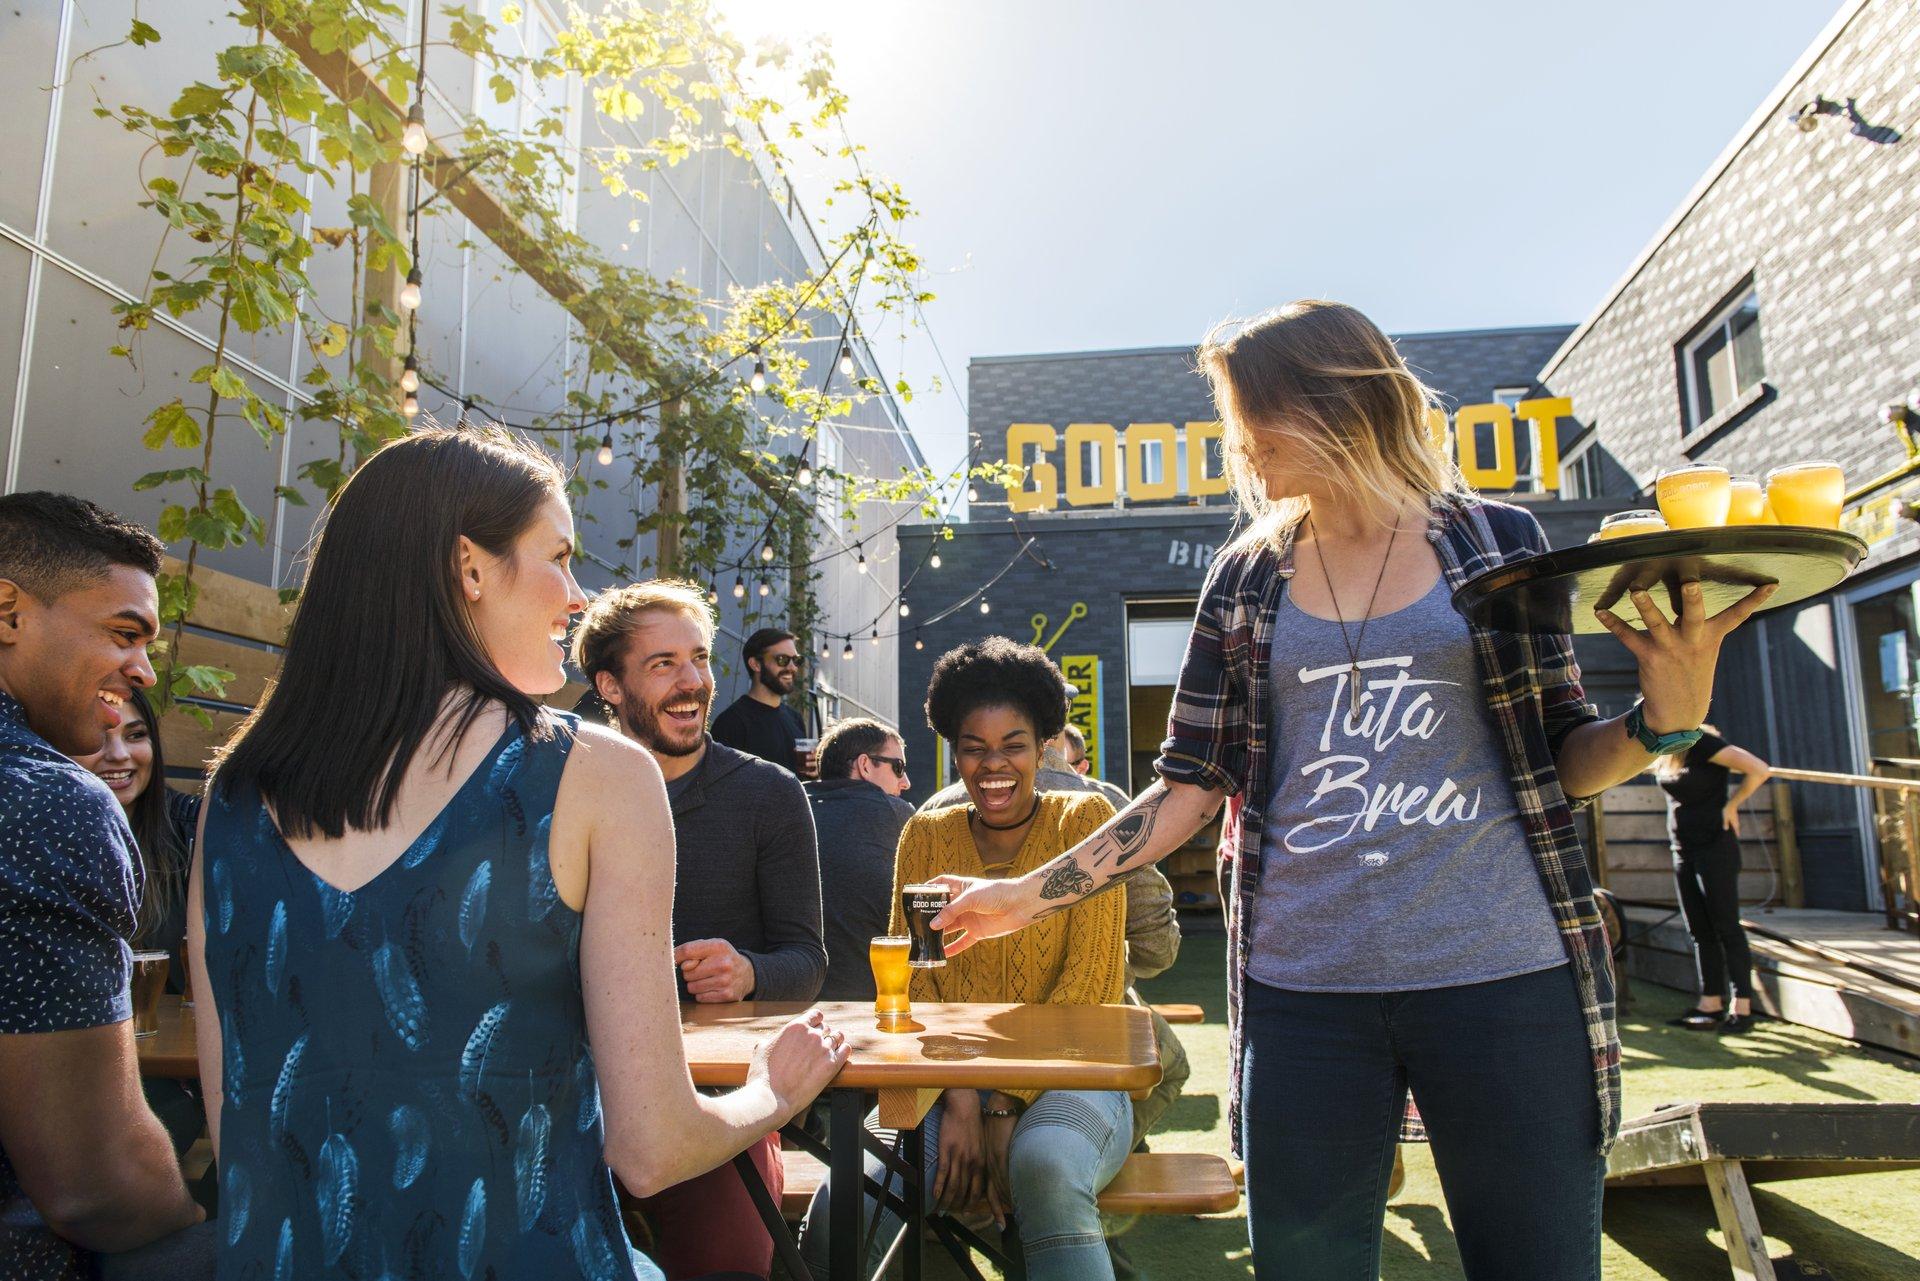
(1181, 1013)
(1728, 1146)
(1149, 1183)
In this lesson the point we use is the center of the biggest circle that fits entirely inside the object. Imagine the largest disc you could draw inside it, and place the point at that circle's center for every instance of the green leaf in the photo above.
(291, 494)
(333, 340)
(228, 385)
(171, 424)
(142, 34)
(172, 476)
(173, 523)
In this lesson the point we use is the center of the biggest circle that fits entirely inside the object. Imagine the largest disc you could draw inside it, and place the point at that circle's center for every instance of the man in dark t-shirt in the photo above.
(759, 722)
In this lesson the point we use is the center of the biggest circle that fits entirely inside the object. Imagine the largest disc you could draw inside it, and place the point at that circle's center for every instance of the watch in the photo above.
(1658, 744)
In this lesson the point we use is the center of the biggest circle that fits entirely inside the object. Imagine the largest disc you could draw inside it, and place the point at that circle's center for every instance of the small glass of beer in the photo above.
(1748, 505)
(1626, 524)
(888, 956)
(149, 981)
(1694, 497)
(1808, 494)
(920, 904)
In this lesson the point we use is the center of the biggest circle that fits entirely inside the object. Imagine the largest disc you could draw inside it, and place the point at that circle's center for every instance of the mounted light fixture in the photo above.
(413, 139)
(1806, 116)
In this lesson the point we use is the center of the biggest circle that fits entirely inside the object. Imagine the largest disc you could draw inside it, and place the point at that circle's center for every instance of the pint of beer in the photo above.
(888, 956)
(149, 981)
(920, 904)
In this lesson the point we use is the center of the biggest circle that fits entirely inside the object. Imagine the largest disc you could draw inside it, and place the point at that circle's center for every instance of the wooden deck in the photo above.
(1844, 973)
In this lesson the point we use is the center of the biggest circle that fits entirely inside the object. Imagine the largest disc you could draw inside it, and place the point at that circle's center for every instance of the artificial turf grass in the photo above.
(1860, 1227)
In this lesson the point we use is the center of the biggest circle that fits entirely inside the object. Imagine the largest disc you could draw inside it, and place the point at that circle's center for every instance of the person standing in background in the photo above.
(857, 816)
(1703, 823)
(761, 722)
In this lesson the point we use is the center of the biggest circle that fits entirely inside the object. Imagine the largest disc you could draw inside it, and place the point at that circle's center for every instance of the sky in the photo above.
(1123, 174)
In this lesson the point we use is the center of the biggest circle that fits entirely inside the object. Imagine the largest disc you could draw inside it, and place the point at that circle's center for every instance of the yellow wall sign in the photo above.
(1083, 673)
(1116, 454)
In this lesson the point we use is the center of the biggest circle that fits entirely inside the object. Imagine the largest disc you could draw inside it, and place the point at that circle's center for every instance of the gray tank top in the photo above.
(1393, 856)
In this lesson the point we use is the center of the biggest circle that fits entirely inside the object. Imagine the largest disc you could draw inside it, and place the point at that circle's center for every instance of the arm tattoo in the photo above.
(1128, 838)
(1065, 879)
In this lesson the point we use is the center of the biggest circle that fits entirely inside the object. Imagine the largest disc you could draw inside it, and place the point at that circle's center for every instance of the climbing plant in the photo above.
(659, 372)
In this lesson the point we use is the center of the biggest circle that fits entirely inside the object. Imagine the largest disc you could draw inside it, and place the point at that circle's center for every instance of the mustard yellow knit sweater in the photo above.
(1076, 957)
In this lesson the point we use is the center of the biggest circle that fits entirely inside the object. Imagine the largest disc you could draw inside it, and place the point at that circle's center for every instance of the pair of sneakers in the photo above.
(1724, 1020)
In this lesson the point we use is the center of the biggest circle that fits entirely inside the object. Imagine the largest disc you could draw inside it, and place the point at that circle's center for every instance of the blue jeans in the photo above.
(1504, 1081)
(1066, 1147)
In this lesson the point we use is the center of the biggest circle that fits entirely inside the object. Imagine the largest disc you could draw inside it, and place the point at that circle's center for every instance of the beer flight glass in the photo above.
(1707, 496)
(1809, 493)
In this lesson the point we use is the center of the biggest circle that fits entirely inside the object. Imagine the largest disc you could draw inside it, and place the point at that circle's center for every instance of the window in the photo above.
(1153, 464)
(1722, 361)
(1580, 475)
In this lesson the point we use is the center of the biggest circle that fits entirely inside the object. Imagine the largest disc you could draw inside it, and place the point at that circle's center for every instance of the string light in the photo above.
(973, 493)
(766, 554)
(605, 456)
(876, 637)
(410, 405)
(847, 653)
(904, 611)
(860, 563)
(846, 363)
(410, 292)
(766, 588)
(933, 561)
(804, 476)
(739, 589)
(410, 375)
(917, 642)
(826, 650)
(414, 137)
(984, 607)
(713, 593)
(759, 380)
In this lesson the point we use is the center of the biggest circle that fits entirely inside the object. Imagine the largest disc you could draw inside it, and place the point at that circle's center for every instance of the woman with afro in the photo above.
(1037, 1157)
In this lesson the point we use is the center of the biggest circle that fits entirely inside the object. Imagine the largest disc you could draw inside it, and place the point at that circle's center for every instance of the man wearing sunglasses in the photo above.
(858, 814)
(760, 722)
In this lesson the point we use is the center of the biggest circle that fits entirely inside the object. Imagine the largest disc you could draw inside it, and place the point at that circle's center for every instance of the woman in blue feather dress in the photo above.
(430, 920)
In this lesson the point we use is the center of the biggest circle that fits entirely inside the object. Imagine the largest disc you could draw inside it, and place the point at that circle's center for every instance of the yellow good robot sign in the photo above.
(1031, 445)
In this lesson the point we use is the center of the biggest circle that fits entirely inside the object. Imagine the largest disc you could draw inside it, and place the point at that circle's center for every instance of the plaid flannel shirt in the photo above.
(1223, 710)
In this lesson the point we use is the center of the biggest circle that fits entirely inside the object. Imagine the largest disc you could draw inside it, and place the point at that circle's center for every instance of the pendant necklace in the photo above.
(1353, 646)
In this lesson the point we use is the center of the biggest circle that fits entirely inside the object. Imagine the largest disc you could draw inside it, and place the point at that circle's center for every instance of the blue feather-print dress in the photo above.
(409, 1091)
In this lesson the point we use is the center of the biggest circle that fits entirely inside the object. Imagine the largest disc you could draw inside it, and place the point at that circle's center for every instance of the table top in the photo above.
(985, 1045)
(170, 1051)
(988, 1046)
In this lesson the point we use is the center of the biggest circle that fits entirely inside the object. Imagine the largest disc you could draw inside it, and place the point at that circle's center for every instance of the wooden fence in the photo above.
(1627, 834)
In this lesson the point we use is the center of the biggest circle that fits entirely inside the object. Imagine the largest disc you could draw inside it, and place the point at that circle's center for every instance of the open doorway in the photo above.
(1156, 641)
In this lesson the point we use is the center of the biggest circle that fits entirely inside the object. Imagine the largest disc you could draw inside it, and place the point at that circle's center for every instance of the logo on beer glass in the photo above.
(920, 904)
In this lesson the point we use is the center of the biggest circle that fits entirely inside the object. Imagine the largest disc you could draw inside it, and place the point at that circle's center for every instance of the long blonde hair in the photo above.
(1319, 380)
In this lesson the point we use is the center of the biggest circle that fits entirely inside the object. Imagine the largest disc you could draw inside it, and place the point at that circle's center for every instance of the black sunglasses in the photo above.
(899, 763)
(784, 660)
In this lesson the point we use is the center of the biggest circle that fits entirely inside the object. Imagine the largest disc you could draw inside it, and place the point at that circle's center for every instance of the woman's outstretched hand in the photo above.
(799, 1060)
(1677, 658)
(984, 909)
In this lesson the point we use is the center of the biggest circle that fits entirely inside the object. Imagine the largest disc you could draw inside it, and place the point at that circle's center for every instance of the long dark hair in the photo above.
(162, 847)
(383, 635)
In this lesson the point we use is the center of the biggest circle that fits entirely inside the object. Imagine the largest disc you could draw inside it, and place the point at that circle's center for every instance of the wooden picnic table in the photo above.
(984, 1046)
(170, 1051)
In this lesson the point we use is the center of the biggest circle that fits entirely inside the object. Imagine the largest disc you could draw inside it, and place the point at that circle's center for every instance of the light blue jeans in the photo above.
(1066, 1147)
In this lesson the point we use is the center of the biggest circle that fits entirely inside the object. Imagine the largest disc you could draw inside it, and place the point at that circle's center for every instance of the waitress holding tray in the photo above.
(1412, 910)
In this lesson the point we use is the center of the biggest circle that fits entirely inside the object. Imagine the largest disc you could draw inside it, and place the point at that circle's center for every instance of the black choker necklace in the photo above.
(996, 827)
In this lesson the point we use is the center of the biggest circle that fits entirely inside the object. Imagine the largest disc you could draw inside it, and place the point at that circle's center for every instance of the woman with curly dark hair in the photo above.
(1041, 1156)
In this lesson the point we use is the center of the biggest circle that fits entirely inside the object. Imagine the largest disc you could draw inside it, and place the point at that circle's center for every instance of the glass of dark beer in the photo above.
(149, 981)
(920, 904)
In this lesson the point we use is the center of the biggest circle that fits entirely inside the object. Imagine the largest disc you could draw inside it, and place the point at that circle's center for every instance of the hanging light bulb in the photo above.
(933, 561)
(826, 650)
(766, 554)
(984, 607)
(917, 642)
(410, 405)
(766, 588)
(739, 589)
(804, 476)
(846, 363)
(904, 611)
(410, 292)
(973, 493)
(605, 456)
(759, 380)
(414, 137)
(713, 594)
(847, 653)
(410, 375)
(876, 636)
(861, 563)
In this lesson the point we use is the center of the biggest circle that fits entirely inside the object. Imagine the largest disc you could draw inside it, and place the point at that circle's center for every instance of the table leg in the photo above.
(1733, 1202)
(783, 1243)
(845, 1174)
(912, 1144)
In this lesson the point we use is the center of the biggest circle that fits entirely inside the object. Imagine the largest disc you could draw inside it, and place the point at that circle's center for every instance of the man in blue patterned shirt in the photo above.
(85, 1167)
